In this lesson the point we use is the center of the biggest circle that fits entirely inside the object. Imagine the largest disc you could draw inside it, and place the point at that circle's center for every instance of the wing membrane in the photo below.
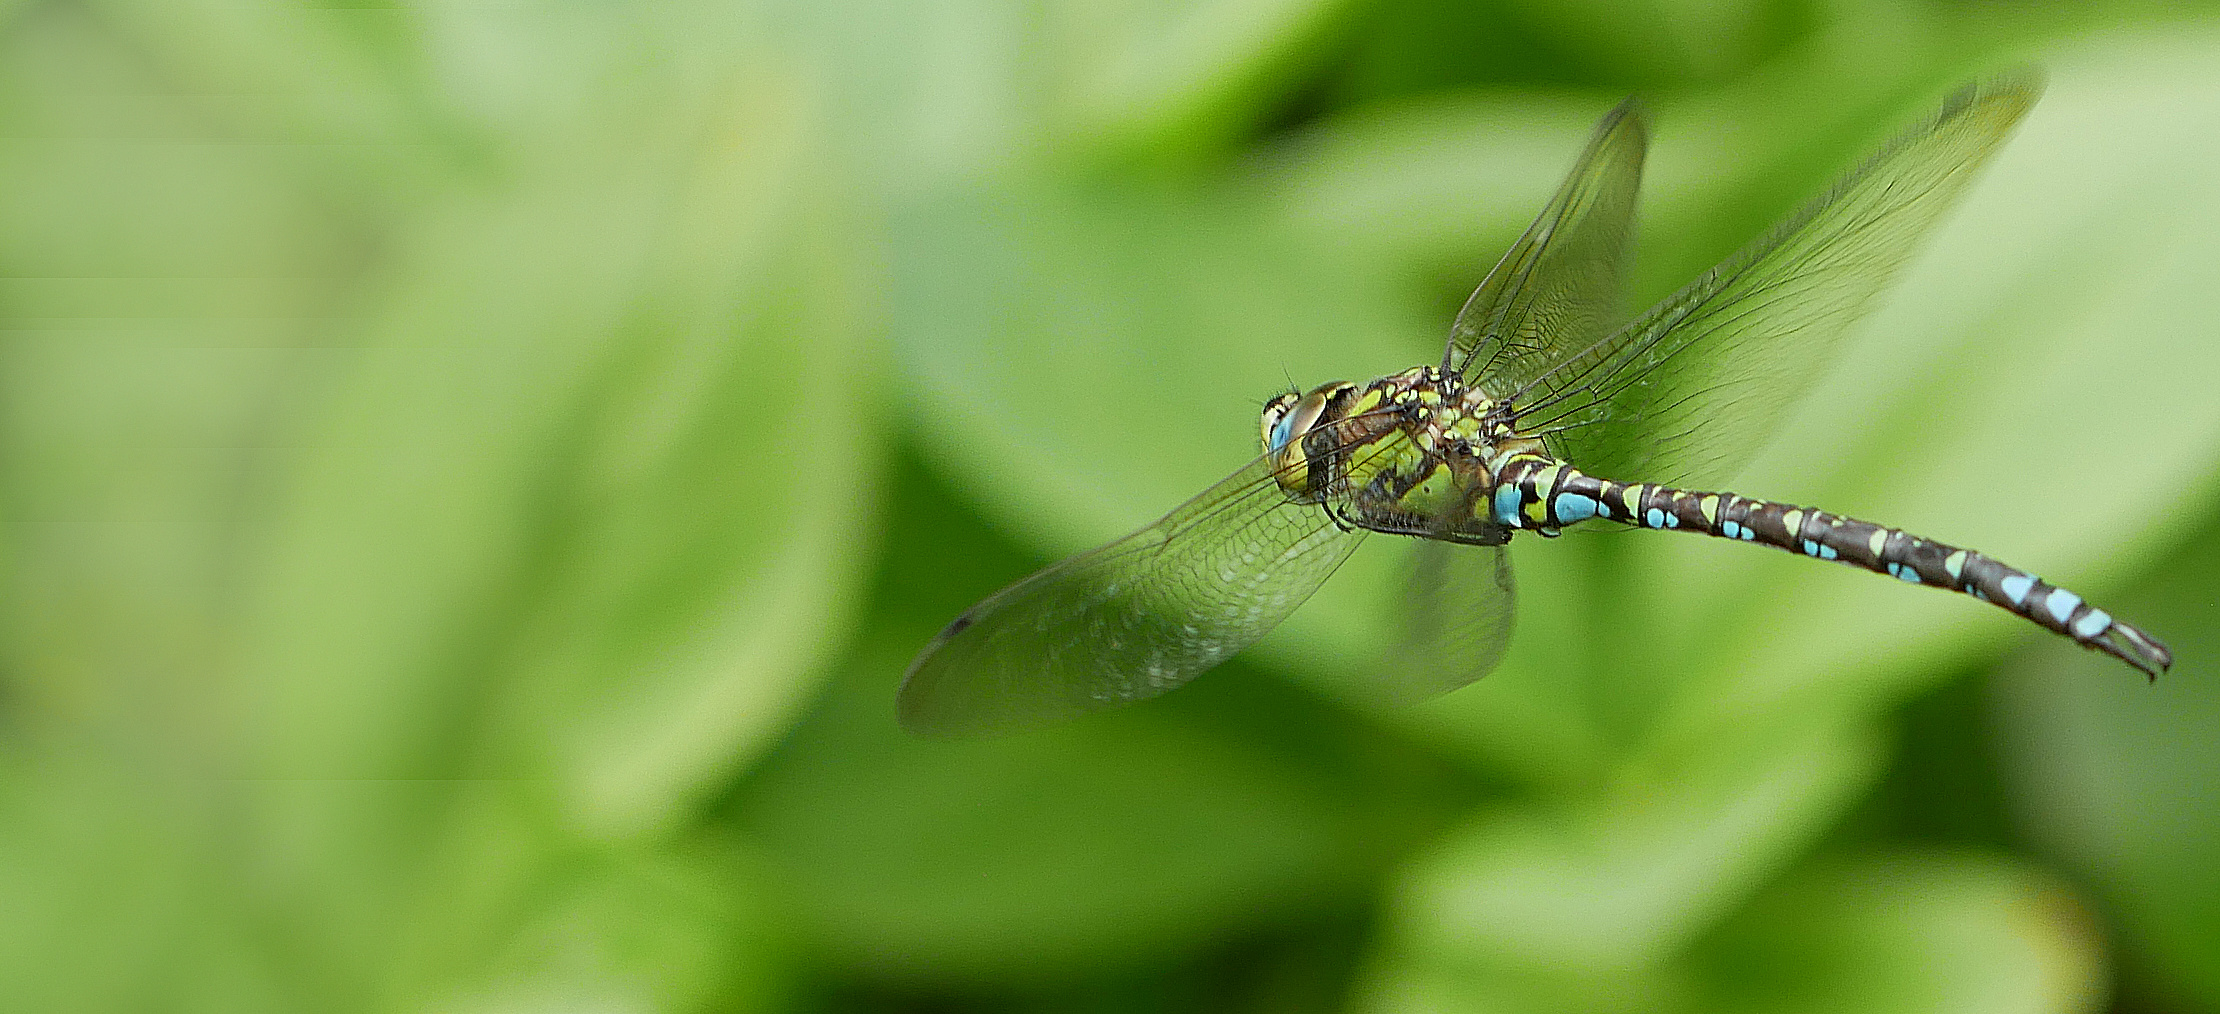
(1458, 609)
(1562, 285)
(1690, 387)
(1132, 619)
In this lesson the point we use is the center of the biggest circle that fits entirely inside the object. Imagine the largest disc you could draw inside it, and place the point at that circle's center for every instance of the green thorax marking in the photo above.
(1412, 453)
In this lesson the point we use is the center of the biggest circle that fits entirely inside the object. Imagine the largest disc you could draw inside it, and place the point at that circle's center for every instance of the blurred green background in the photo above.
(474, 473)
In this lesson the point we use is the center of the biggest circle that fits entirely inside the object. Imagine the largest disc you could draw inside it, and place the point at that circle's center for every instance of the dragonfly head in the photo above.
(1287, 419)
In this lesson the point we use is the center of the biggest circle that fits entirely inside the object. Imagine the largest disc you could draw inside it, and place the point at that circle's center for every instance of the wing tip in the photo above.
(922, 714)
(917, 706)
(942, 703)
(2012, 90)
(1632, 114)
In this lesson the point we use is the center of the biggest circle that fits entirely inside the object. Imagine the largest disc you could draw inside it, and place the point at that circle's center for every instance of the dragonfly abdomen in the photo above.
(1540, 493)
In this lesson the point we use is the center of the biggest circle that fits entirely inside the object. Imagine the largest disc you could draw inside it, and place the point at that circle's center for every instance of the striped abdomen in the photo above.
(1542, 494)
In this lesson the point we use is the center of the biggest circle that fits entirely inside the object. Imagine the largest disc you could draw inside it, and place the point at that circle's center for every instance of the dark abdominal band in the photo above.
(1536, 492)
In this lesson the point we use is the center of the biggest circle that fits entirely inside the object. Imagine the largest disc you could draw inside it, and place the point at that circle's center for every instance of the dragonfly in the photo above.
(1544, 388)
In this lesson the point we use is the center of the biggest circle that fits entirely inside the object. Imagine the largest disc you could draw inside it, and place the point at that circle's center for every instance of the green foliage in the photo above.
(2118, 785)
(475, 475)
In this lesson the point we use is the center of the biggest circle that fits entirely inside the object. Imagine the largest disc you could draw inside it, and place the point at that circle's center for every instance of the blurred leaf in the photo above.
(1040, 853)
(1036, 854)
(1444, 185)
(921, 91)
(1941, 932)
(578, 512)
(675, 931)
(1153, 66)
(161, 281)
(1414, 48)
(725, 473)
(380, 894)
(935, 93)
(606, 425)
(335, 93)
(104, 879)
(1400, 50)
(1623, 881)
(2123, 781)
(1657, 42)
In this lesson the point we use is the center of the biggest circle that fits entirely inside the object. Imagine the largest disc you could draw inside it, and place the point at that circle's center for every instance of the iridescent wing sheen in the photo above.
(1691, 387)
(1132, 619)
(1458, 608)
(1562, 286)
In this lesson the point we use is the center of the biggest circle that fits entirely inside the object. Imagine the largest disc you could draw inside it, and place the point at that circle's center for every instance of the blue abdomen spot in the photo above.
(1573, 507)
(1811, 548)
(2015, 587)
(1654, 518)
(1730, 529)
(1507, 505)
(1904, 572)
(2061, 603)
(2092, 624)
(1827, 552)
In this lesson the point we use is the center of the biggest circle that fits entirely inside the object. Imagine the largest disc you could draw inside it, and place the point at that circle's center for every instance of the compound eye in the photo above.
(1286, 441)
(1274, 432)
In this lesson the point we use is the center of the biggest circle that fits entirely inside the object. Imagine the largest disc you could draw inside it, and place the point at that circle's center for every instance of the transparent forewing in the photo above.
(1688, 390)
(1562, 285)
(1456, 621)
(1131, 619)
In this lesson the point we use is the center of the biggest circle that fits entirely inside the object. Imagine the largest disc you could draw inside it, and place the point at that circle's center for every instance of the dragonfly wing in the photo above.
(1458, 608)
(1690, 388)
(1131, 619)
(1562, 286)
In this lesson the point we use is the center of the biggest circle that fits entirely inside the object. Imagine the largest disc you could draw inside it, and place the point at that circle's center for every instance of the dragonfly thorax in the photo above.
(1402, 430)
